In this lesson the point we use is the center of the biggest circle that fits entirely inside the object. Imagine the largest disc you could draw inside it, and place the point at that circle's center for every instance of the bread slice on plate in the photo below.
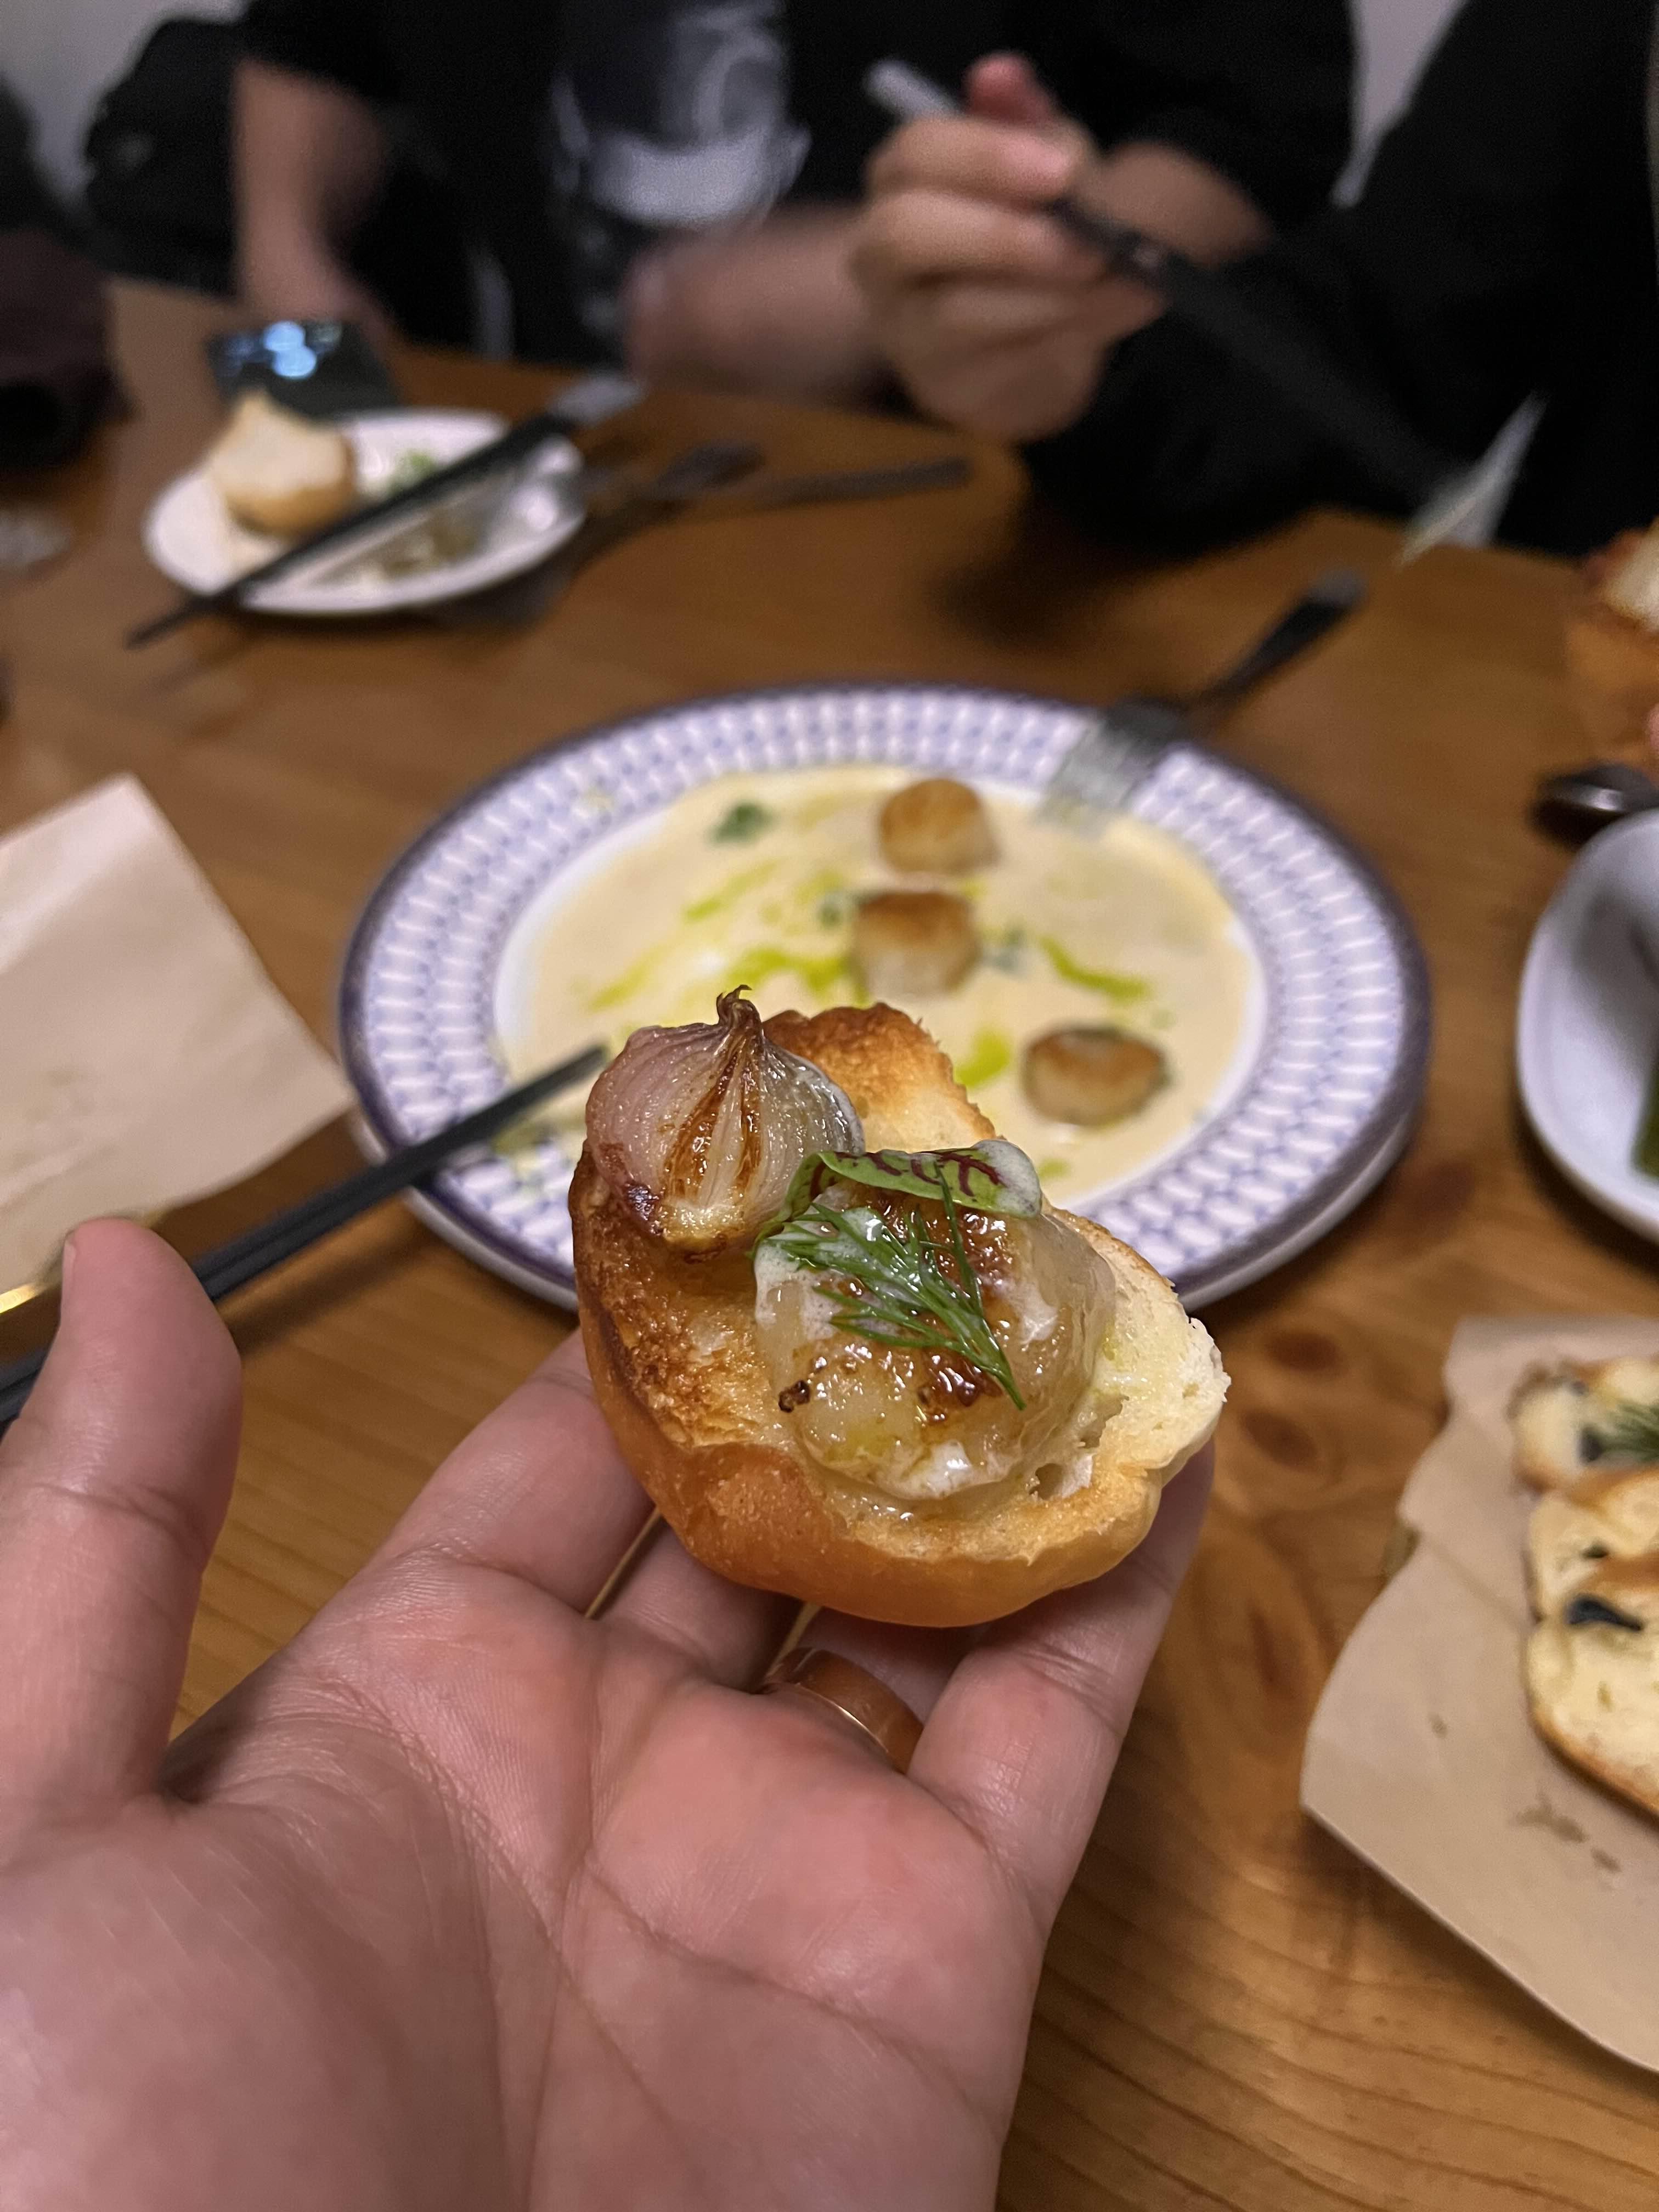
(280, 473)
(1592, 1671)
(1573, 1420)
(677, 1365)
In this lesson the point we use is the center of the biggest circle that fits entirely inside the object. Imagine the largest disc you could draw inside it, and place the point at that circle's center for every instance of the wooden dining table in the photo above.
(1236, 2012)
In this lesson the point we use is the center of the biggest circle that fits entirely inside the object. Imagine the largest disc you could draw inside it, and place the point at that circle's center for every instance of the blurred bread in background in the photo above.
(1612, 645)
(1593, 1677)
(1604, 1516)
(1573, 1417)
(280, 473)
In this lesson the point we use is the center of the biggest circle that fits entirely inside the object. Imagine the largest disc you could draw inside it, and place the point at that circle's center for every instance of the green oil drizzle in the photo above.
(729, 892)
(1123, 990)
(756, 966)
(988, 1056)
(627, 983)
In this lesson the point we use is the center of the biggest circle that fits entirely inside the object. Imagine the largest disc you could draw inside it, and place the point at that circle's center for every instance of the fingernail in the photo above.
(1048, 167)
(66, 1263)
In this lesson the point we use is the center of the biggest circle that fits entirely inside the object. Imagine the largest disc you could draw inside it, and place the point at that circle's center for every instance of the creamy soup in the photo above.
(753, 878)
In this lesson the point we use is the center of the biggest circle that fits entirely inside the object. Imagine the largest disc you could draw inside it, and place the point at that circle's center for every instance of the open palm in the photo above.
(466, 1901)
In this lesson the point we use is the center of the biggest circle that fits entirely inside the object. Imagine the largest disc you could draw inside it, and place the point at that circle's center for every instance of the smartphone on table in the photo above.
(322, 369)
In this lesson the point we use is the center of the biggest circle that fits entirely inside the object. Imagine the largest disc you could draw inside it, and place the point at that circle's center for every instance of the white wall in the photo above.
(60, 54)
(1395, 36)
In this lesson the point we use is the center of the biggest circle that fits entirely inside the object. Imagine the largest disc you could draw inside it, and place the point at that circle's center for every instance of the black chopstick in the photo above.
(228, 1266)
(1310, 382)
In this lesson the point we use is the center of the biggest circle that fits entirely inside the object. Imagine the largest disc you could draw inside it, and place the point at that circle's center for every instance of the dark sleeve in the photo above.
(1261, 89)
(1443, 290)
(339, 39)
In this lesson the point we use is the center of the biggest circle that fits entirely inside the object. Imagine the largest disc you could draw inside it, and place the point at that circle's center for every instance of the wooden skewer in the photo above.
(625, 1565)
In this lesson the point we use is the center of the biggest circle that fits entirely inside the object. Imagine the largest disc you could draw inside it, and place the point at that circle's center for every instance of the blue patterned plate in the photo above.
(1320, 1109)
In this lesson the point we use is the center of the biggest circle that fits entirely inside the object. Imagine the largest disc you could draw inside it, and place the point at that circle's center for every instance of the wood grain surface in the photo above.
(1236, 2012)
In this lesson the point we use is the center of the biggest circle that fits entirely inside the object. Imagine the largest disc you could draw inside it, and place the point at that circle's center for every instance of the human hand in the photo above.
(995, 318)
(992, 316)
(464, 1900)
(308, 158)
(770, 309)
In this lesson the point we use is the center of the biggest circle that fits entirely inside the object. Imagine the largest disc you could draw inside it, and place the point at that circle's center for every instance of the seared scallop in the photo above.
(937, 827)
(923, 1424)
(914, 945)
(1091, 1076)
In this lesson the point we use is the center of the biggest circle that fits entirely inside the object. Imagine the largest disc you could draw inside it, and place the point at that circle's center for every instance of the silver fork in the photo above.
(1124, 742)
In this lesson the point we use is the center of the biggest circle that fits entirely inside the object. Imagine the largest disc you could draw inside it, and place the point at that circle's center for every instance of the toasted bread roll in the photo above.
(1571, 1532)
(1570, 1419)
(1593, 1677)
(914, 945)
(278, 472)
(901, 1085)
(937, 827)
(1091, 1076)
(1119, 1387)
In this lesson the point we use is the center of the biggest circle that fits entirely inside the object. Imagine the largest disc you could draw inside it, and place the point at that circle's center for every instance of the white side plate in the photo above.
(1587, 1037)
(189, 537)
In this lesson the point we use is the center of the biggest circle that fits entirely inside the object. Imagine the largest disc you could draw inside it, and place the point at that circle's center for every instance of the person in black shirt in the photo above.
(1503, 248)
(677, 180)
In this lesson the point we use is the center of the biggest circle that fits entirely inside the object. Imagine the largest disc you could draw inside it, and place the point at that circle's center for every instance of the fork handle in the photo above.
(1318, 610)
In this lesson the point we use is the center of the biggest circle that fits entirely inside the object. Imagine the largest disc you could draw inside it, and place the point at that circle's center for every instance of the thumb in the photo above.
(113, 1483)
(1005, 88)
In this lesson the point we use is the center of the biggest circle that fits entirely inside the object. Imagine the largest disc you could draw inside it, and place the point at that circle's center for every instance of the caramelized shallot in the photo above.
(698, 1131)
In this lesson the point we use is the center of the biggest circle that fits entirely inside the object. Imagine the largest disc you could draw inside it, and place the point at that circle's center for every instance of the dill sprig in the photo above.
(902, 1290)
(1631, 1429)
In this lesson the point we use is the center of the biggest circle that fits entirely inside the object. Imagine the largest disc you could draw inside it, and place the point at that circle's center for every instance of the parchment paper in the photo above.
(145, 1056)
(1421, 1757)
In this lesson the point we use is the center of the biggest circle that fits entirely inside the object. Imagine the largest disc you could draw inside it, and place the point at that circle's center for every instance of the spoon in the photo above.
(1591, 797)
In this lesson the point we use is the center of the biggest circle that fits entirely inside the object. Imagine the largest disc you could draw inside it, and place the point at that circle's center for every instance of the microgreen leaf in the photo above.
(1632, 1431)
(992, 1177)
(742, 823)
(411, 468)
